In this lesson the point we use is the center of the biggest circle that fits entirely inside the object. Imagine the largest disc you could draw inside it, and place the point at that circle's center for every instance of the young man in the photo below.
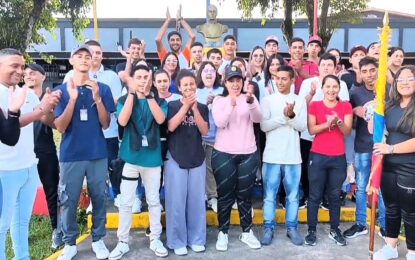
(196, 52)
(352, 77)
(362, 100)
(175, 41)
(45, 149)
(229, 47)
(373, 50)
(140, 115)
(82, 113)
(215, 56)
(18, 171)
(311, 90)
(271, 46)
(314, 46)
(284, 116)
(109, 78)
(303, 69)
(135, 48)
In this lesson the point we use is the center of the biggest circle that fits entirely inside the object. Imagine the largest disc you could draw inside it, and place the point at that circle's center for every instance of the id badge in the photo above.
(144, 141)
(83, 114)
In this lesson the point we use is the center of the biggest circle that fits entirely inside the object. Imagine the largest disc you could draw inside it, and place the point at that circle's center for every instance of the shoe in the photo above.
(355, 231)
(181, 251)
(324, 205)
(311, 238)
(295, 237)
(385, 253)
(117, 201)
(136, 206)
(382, 233)
(267, 236)
(302, 204)
(336, 236)
(158, 248)
(68, 253)
(57, 242)
(410, 256)
(222, 242)
(235, 205)
(213, 204)
(250, 239)
(282, 203)
(119, 251)
(197, 248)
(89, 209)
(148, 232)
(100, 250)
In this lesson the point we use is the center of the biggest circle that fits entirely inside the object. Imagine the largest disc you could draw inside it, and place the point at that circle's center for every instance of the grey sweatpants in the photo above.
(70, 186)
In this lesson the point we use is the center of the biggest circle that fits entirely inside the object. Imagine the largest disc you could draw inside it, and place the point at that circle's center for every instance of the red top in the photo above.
(310, 67)
(329, 142)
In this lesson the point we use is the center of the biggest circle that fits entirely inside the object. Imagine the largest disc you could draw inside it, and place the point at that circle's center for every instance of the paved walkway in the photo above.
(281, 247)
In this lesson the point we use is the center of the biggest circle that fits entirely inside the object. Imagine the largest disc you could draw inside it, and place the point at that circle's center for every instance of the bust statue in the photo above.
(212, 30)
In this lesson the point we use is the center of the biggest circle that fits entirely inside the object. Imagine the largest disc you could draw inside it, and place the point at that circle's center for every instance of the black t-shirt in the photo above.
(349, 78)
(44, 143)
(361, 96)
(185, 143)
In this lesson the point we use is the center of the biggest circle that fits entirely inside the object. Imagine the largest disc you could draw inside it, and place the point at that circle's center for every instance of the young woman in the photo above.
(171, 65)
(208, 87)
(273, 63)
(396, 57)
(234, 158)
(257, 67)
(185, 169)
(330, 120)
(398, 178)
(339, 67)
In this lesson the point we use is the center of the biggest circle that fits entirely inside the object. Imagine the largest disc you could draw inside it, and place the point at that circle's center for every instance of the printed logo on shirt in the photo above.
(189, 120)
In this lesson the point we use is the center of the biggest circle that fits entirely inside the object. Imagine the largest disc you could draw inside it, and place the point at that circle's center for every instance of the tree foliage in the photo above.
(332, 13)
(21, 20)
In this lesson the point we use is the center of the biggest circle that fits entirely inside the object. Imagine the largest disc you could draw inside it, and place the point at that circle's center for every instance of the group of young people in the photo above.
(206, 128)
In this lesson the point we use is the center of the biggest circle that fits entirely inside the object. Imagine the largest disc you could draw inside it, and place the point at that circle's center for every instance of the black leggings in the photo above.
(329, 172)
(235, 178)
(398, 191)
(48, 168)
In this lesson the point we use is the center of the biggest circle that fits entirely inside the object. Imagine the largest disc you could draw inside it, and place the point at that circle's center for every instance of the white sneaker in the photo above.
(213, 204)
(250, 239)
(157, 246)
(68, 253)
(235, 205)
(181, 251)
(197, 248)
(117, 201)
(136, 206)
(222, 242)
(119, 251)
(100, 250)
(89, 209)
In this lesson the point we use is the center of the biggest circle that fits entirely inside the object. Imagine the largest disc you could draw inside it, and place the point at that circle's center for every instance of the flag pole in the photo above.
(94, 10)
(315, 18)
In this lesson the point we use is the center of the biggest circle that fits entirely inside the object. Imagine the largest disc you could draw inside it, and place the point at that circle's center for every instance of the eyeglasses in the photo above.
(171, 61)
(407, 80)
(209, 71)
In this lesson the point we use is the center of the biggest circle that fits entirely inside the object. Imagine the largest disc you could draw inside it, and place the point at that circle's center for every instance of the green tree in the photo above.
(332, 13)
(21, 20)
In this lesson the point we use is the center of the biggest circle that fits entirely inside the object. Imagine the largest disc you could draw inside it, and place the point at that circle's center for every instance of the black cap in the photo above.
(36, 67)
(232, 72)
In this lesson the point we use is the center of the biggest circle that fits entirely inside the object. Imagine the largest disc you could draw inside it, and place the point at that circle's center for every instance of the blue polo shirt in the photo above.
(84, 140)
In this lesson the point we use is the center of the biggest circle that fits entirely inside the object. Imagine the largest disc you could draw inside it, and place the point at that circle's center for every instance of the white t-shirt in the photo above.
(22, 155)
(319, 96)
(110, 78)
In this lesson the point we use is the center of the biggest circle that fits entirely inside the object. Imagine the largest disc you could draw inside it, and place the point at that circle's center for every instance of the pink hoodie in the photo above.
(235, 132)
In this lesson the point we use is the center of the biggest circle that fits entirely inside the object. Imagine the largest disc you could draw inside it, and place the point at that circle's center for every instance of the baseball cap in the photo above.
(272, 38)
(357, 48)
(315, 38)
(82, 47)
(36, 67)
(232, 71)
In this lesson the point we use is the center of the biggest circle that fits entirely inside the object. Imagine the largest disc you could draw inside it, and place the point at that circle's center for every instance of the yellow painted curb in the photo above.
(78, 241)
(141, 220)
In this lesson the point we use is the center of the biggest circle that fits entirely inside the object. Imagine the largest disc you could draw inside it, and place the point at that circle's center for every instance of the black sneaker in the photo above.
(355, 231)
(343, 196)
(337, 237)
(324, 205)
(302, 204)
(148, 232)
(311, 238)
(282, 203)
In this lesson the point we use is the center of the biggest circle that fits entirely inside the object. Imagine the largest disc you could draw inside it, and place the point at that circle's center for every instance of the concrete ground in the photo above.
(281, 248)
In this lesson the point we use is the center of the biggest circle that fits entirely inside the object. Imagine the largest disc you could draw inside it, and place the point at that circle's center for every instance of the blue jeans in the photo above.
(363, 165)
(271, 175)
(19, 193)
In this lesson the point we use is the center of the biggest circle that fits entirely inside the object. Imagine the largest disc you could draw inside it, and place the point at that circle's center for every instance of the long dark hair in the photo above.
(268, 75)
(334, 77)
(407, 122)
(199, 80)
(173, 76)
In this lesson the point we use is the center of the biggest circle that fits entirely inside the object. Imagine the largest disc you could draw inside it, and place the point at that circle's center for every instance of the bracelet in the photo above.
(14, 114)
